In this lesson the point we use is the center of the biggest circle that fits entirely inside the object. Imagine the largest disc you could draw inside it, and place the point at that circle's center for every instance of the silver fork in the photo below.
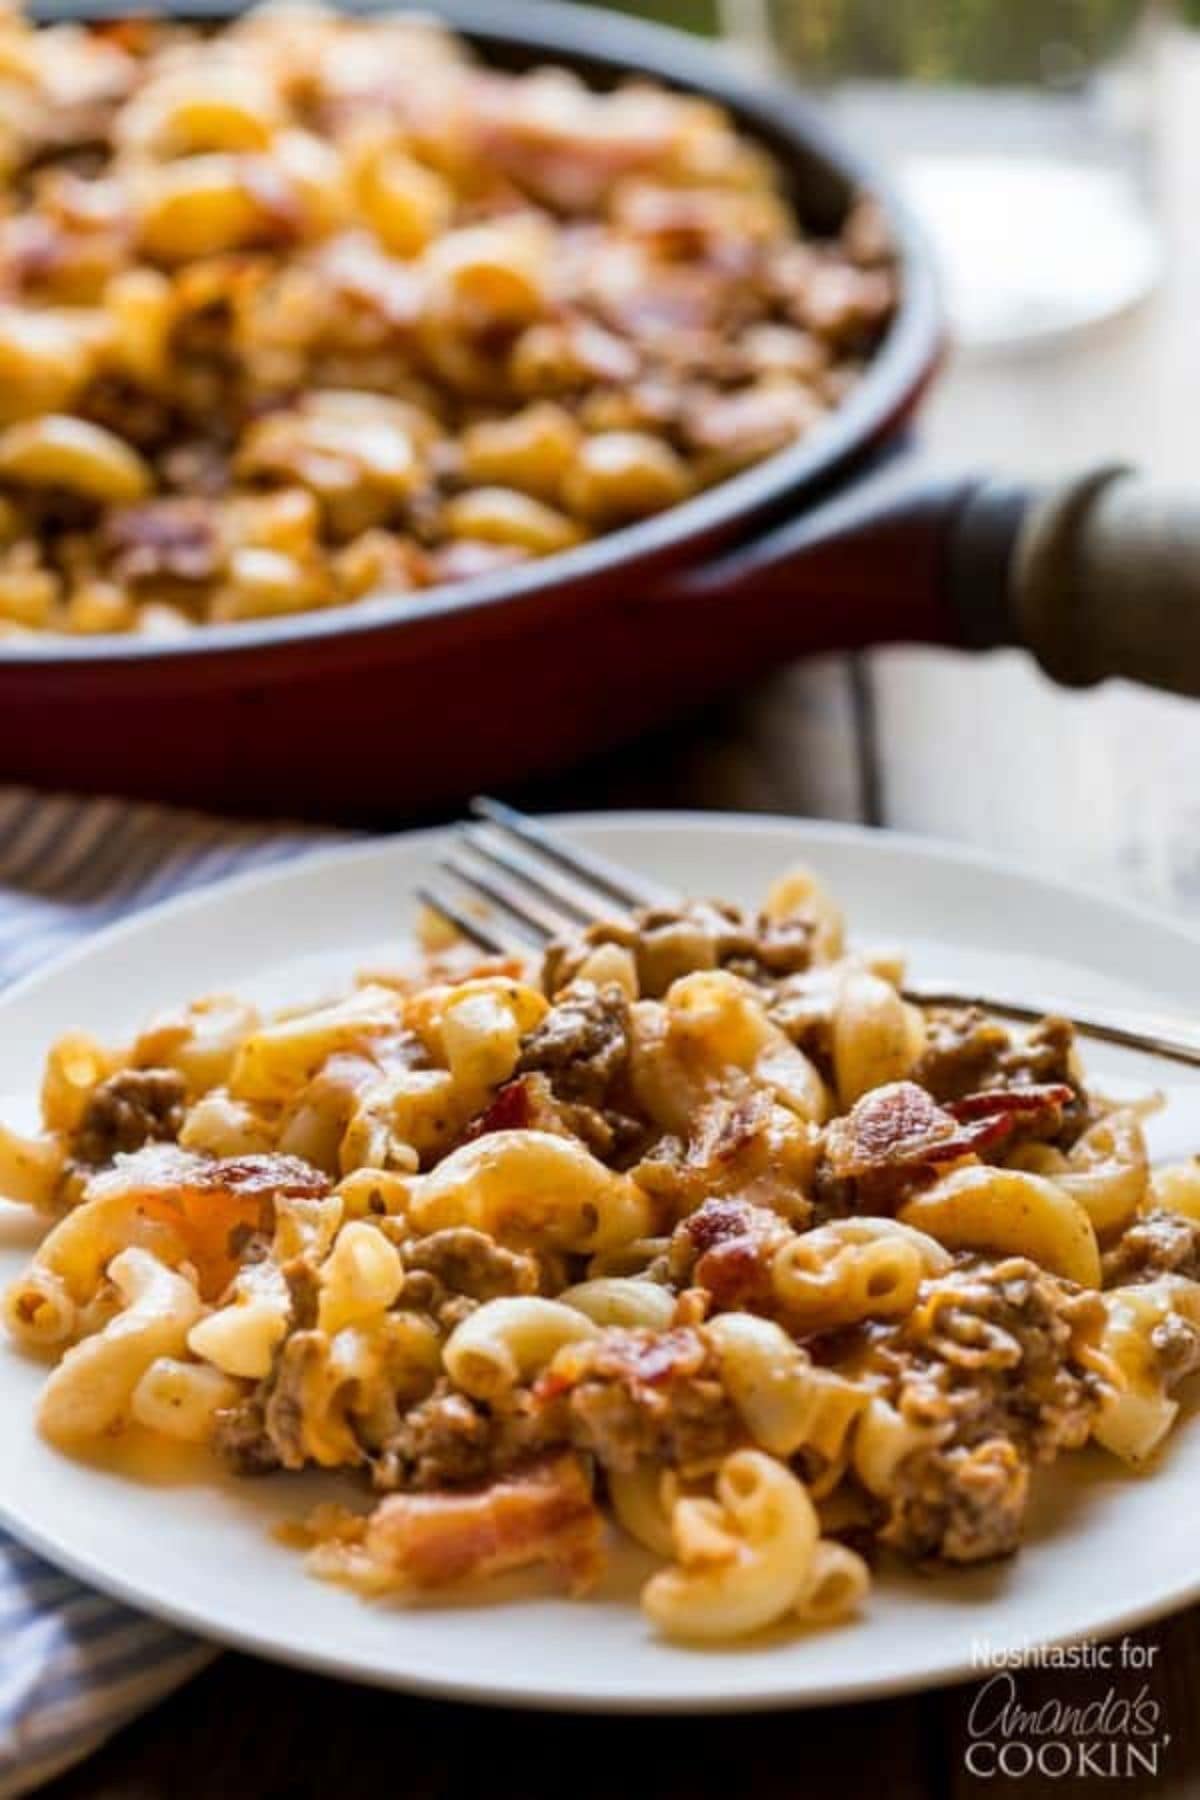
(547, 885)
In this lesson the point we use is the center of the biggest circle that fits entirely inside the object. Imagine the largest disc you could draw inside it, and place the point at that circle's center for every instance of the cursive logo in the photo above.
(1110, 1735)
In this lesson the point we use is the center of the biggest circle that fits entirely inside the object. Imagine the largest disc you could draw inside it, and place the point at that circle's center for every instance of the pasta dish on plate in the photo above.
(306, 307)
(693, 1228)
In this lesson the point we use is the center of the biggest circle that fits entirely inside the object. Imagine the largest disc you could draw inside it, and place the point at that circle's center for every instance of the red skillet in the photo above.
(398, 703)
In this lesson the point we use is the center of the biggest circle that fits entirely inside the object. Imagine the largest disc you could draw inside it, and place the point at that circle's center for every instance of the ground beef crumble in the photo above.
(467, 1262)
(582, 1043)
(670, 941)
(967, 1052)
(241, 1438)
(1156, 1243)
(581, 1047)
(528, 1103)
(132, 1108)
(298, 1363)
(304, 1292)
(989, 1361)
(965, 1503)
(632, 1394)
(172, 539)
(449, 1439)
(443, 1439)
(1176, 1345)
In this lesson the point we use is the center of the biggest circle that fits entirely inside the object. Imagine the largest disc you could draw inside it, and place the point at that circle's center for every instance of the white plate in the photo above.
(1106, 1550)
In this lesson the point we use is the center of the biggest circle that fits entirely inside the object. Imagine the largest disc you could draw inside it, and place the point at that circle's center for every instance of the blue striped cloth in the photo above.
(74, 1665)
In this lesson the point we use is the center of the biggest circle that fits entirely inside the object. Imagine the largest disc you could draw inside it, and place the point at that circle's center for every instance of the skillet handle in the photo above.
(1106, 581)
(869, 563)
(1097, 576)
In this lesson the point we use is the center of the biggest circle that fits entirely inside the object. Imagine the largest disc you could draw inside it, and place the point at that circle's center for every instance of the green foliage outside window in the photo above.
(953, 40)
(931, 40)
(688, 15)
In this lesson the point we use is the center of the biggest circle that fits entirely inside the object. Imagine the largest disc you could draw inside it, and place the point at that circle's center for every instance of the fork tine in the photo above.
(491, 941)
(537, 919)
(610, 878)
(576, 906)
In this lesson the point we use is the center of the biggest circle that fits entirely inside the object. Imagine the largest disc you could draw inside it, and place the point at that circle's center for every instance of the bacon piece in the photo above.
(893, 1127)
(165, 1168)
(898, 1136)
(513, 1108)
(996, 1113)
(726, 1247)
(211, 1201)
(526, 1103)
(900, 1126)
(134, 36)
(261, 1174)
(529, 1103)
(637, 1358)
(176, 539)
(542, 1512)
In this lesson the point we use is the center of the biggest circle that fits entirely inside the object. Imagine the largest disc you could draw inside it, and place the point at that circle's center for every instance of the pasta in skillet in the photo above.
(697, 1226)
(303, 306)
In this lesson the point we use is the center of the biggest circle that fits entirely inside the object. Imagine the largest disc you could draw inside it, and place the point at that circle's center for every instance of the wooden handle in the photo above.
(1106, 581)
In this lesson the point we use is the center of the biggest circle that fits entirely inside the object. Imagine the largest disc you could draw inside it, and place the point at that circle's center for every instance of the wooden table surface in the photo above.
(1102, 787)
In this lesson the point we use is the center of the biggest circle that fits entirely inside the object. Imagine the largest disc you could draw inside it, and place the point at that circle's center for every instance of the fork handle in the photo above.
(1157, 1034)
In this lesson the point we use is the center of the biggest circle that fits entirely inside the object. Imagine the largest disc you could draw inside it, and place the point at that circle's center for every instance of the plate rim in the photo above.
(363, 845)
(956, 1668)
(954, 1672)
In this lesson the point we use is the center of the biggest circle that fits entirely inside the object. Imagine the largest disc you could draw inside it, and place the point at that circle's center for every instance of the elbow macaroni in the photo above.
(273, 231)
(1136, 1411)
(1010, 1212)
(183, 1400)
(479, 1234)
(31, 1168)
(532, 1187)
(622, 1300)
(877, 1036)
(241, 1338)
(508, 1341)
(853, 1269)
(1107, 1171)
(787, 1405)
(749, 1556)
(716, 1024)
(92, 1388)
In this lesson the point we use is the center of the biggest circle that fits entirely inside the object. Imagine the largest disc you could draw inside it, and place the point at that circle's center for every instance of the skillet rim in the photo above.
(734, 510)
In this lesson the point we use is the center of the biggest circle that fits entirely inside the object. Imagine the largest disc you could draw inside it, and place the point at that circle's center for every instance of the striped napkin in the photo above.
(74, 1665)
